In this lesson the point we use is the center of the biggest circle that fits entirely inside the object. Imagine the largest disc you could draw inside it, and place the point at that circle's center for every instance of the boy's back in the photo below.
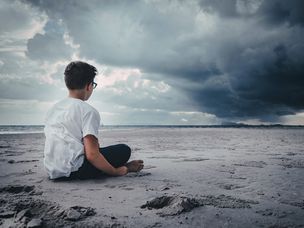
(66, 124)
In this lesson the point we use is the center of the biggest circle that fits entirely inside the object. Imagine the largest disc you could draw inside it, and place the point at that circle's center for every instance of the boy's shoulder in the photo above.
(88, 107)
(73, 104)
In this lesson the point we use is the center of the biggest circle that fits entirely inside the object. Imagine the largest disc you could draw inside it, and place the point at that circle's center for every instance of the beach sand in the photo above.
(193, 177)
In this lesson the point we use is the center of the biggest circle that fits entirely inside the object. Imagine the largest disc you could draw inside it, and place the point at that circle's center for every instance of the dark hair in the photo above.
(78, 74)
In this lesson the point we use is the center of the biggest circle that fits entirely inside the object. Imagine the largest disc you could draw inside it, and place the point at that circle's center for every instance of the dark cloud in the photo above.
(280, 11)
(270, 11)
(226, 8)
(272, 86)
(49, 46)
(234, 58)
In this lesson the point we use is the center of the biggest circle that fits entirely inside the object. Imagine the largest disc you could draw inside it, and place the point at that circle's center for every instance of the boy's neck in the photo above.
(78, 94)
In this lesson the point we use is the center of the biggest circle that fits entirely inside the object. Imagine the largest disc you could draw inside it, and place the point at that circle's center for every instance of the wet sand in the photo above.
(193, 177)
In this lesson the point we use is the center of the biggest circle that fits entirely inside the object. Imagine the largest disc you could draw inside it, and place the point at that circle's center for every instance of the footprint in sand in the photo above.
(168, 157)
(21, 161)
(230, 186)
(227, 169)
(121, 186)
(16, 189)
(291, 154)
(274, 212)
(281, 158)
(164, 187)
(149, 167)
(299, 203)
(110, 186)
(127, 188)
(274, 154)
(292, 164)
(237, 178)
(193, 160)
(139, 174)
(5, 146)
(255, 164)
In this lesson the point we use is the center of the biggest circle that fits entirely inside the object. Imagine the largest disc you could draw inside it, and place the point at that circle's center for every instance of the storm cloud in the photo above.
(233, 59)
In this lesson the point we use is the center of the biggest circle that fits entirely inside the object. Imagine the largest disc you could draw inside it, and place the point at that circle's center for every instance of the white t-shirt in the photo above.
(66, 124)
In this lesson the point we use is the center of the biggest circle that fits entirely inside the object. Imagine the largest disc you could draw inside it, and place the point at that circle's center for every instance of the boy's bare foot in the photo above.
(135, 165)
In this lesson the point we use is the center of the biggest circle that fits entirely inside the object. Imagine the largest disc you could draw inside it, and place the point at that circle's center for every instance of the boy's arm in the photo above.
(91, 148)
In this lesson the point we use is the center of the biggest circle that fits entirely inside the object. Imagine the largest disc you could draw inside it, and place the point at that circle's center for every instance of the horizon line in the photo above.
(176, 125)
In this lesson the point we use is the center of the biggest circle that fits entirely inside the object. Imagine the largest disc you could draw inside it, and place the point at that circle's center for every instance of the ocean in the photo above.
(32, 129)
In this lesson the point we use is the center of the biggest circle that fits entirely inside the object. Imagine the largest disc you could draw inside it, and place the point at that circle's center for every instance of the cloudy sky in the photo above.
(159, 62)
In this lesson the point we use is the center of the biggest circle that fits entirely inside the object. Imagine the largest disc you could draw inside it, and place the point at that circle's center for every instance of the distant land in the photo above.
(230, 125)
(223, 125)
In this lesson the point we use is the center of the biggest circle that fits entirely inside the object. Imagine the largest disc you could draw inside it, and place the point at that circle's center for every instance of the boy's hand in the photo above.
(135, 165)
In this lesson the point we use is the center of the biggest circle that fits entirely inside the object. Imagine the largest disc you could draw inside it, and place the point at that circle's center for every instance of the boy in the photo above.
(71, 131)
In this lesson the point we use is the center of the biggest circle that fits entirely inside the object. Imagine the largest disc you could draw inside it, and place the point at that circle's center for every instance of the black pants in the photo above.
(116, 155)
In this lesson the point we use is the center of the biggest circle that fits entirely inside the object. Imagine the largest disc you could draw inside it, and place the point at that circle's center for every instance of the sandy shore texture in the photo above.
(193, 177)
